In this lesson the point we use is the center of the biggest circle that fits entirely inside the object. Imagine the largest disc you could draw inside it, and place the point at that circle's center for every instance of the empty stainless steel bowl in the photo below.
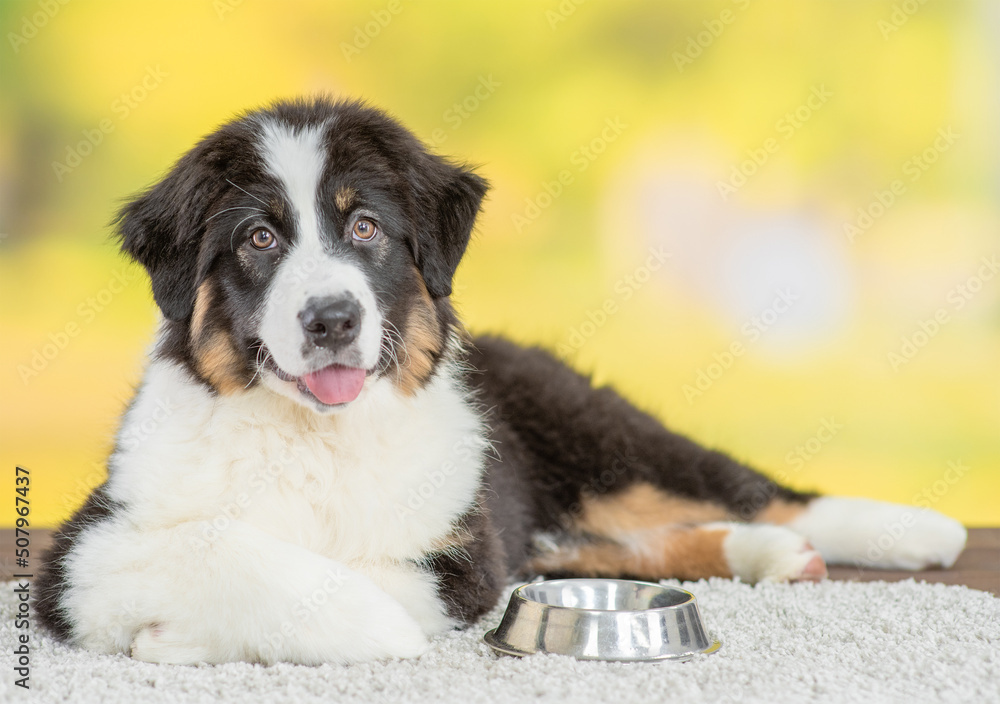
(602, 619)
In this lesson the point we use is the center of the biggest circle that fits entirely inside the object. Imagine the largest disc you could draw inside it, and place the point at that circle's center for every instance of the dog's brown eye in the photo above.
(364, 229)
(263, 239)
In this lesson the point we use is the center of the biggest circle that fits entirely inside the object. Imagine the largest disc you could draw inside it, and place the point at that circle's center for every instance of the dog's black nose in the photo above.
(331, 322)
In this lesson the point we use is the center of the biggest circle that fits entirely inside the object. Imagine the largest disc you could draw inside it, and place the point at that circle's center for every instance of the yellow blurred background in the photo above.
(775, 224)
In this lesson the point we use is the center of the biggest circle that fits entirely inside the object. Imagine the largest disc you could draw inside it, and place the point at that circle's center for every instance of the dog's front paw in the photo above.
(881, 535)
(158, 643)
(366, 625)
(405, 639)
(761, 553)
(396, 633)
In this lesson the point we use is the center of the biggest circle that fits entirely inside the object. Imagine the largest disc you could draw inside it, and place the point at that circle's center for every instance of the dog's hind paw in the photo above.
(880, 535)
(762, 553)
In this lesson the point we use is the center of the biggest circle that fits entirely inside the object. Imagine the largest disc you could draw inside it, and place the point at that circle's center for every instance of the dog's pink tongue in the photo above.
(335, 384)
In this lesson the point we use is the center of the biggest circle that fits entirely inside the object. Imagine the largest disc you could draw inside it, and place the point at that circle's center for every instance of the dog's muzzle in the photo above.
(332, 323)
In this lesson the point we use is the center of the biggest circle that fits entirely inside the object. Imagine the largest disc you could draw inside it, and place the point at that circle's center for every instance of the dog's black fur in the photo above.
(561, 444)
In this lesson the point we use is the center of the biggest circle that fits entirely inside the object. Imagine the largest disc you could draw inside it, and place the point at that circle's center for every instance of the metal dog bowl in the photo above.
(602, 619)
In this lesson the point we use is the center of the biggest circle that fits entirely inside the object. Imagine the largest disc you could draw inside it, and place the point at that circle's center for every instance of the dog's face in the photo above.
(309, 247)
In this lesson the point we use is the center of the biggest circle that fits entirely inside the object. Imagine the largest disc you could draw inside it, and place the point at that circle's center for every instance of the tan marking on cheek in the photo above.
(780, 512)
(343, 198)
(642, 506)
(680, 553)
(422, 337)
(202, 302)
(214, 354)
(220, 363)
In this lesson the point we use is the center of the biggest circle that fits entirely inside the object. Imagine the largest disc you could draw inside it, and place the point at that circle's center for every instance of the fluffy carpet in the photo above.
(830, 642)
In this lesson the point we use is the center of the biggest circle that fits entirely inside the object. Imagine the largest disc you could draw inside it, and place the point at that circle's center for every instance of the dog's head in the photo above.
(306, 247)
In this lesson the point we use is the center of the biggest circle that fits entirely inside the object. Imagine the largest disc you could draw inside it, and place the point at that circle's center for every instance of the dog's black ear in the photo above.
(162, 229)
(449, 197)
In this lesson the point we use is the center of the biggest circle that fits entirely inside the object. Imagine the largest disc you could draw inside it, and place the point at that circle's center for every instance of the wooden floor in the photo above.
(978, 567)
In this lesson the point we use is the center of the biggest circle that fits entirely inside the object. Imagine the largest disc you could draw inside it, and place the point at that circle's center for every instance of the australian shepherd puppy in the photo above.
(322, 465)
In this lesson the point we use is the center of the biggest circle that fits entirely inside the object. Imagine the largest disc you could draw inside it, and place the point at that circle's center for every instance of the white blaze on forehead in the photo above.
(297, 159)
(309, 269)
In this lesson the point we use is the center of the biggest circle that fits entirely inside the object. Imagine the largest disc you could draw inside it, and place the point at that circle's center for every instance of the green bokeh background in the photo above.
(694, 89)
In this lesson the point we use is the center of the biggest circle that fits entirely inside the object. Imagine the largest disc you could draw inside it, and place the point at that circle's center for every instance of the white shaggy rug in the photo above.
(829, 642)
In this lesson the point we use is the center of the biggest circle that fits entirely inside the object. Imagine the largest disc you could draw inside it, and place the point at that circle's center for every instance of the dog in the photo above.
(320, 463)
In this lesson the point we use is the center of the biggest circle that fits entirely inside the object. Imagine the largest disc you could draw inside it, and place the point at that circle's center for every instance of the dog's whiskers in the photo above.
(392, 341)
(247, 192)
(402, 341)
(236, 207)
(259, 364)
(387, 356)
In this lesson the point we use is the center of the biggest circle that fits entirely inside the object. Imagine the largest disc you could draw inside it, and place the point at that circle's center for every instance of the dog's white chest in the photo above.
(385, 483)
